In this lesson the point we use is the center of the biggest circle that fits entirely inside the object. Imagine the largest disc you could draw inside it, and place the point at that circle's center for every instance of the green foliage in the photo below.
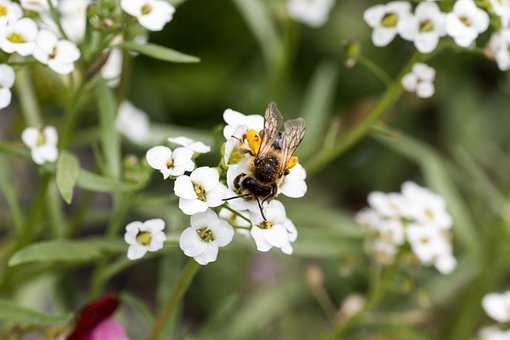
(160, 52)
(11, 312)
(68, 170)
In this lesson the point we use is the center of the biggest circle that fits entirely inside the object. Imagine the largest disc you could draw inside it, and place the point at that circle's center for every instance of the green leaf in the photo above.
(110, 139)
(317, 105)
(68, 169)
(7, 188)
(160, 52)
(93, 182)
(66, 251)
(321, 243)
(258, 19)
(159, 133)
(11, 312)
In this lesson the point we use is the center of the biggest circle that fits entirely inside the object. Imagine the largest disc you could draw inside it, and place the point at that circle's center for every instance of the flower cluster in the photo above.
(213, 199)
(417, 217)
(420, 80)
(497, 306)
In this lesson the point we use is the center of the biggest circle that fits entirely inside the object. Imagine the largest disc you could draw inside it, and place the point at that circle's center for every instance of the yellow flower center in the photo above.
(465, 20)
(199, 190)
(170, 163)
(3, 10)
(146, 9)
(390, 20)
(41, 140)
(205, 234)
(144, 238)
(53, 53)
(426, 26)
(266, 225)
(16, 38)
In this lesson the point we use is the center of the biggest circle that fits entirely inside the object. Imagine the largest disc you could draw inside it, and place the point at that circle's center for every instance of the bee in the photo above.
(273, 151)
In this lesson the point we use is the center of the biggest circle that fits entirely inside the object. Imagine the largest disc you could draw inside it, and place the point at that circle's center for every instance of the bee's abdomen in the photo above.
(255, 187)
(267, 169)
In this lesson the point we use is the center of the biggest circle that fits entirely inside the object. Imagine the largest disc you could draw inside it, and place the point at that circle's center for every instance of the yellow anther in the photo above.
(292, 162)
(144, 238)
(254, 140)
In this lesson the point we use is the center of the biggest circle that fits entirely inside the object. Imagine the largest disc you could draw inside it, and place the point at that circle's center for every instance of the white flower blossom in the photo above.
(188, 143)
(112, 69)
(143, 237)
(168, 162)
(204, 236)
(42, 143)
(275, 231)
(235, 119)
(313, 13)
(6, 82)
(425, 27)
(497, 306)
(466, 22)
(384, 252)
(392, 205)
(74, 17)
(9, 12)
(59, 55)
(493, 333)
(37, 5)
(132, 122)
(428, 243)
(234, 219)
(200, 190)
(294, 183)
(499, 48)
(151, 14)
(18, 36)
(386, 20)
(420, 80)
(502, 9)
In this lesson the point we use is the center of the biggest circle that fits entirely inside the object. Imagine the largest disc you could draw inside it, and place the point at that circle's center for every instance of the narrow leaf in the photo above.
(11, 312)
(160, 52)
(68, 169)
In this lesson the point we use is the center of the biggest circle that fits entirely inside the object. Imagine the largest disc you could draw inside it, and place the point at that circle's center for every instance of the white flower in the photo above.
(112, 69)
(151, 14)
(168, 162)
(502, 9)
(37, 5)
(386, 20)
(391, 231)
(314, 13)
(132, 122)
(200, 190)
(234, 219)
(384, 251)
(428, 207)
(294, 183)
(275, 231)
(9, 12)
(369, 218)
(425, 28)
(6, 82)
(42, 143)
(59, 55)
(420, 80)
(445, 263)
(18, 36)
(204, 236)
(427, 242)
(497, 306)
(499, 48)
(195, 146)
(236, 119)
(493, 333)
(144, 237)
(466, 22)
(392, 205)
(74, 17)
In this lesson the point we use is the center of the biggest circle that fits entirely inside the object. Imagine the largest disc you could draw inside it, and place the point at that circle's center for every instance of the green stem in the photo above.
(70, 117)
(56, 18)
(27, 98)
(376, 70)
(387, 100)
(168, 310)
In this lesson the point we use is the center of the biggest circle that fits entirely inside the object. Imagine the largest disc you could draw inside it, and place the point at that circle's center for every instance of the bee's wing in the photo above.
(273, 122)
(292, 138)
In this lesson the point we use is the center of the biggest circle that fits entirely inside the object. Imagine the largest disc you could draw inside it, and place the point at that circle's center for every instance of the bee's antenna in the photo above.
(260, 207)
(233, 198)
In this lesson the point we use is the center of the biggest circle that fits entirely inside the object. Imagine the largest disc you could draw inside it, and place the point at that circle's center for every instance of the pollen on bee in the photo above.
(292, 162)
(254, 140)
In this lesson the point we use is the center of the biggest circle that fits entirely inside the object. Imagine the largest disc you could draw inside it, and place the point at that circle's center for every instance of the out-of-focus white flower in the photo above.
(9, 12)
(428, 207)
(168, 162)
(200, 190)
(502, 9)
(420, 80)
(386, 20)
(391, 231)
(112, 69)
(236, 119)
(59, 55)
(313, 13)
(275, 231)
(445, 263)
(427, 242)
(74, 17)
(392, 205)
(144, 237)
(497, 306)
(425, 27)
(294, 183)
(204, 236)
(132, 122)
(465, 22)
(37, 5)
(193, 145)
(499, 48)
(234, 219)
(6, 82)
(493, 333)
(384, 251)
(42, 143)
(151, 14)
(18, 36)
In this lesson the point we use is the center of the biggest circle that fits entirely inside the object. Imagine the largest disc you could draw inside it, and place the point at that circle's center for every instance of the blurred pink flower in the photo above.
(109, 329)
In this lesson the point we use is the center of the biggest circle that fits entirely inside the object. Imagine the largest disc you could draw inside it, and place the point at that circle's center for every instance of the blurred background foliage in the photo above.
(457, 143)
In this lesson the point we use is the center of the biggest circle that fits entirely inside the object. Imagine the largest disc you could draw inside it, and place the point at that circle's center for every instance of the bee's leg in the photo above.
(239, 196)
(274, 190)
(260, 207)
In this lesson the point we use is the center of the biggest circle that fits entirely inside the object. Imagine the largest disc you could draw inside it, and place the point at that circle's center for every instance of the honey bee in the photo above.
(273, 150)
